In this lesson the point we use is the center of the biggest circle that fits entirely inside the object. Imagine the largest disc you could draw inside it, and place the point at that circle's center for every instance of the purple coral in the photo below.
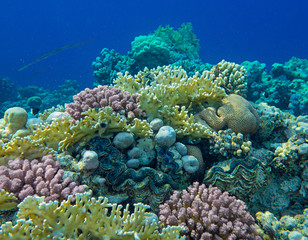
(42, 178)
(208, 213)
(102, 96)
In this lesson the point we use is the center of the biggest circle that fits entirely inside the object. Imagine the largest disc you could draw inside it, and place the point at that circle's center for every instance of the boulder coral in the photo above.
(236, 113)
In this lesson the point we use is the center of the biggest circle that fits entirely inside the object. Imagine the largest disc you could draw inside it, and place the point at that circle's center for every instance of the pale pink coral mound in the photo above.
(102, 96)
(208, 213)
(42, 178)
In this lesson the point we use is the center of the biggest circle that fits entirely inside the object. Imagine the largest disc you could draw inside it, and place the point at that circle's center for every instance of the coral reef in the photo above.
(102, 96)
(236, 113)
(7, 200)
(88, 218)
(164, 46)
(284, 86)
(167, 121)
(286, 227)
(43, 178)
(229, 144)
(208, 213)
(108, 64)
(13, 124)
(240, 177)
(8, 91)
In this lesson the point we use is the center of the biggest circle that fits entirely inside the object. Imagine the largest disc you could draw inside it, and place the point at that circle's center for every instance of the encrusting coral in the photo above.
(236, 113)
(87, 218)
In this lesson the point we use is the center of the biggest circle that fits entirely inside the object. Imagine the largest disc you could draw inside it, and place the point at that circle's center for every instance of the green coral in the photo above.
(183, 41)
(150, 51)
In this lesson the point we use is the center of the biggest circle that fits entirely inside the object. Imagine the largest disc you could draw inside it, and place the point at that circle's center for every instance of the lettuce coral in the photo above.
(88, 218)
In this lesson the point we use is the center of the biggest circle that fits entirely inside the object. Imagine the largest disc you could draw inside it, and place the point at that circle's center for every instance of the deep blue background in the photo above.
(236, 30)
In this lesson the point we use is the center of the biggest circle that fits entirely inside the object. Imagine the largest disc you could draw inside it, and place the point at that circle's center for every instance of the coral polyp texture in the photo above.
(236, 113)
(208, 213)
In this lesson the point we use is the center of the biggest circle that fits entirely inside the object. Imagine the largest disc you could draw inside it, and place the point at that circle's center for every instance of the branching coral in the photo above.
(233, 77)
(207, 213)
(88, 218)
(102, 96)
(23, 148)
(43, 178)
(228, 143)
(61, 134)
(7, 200)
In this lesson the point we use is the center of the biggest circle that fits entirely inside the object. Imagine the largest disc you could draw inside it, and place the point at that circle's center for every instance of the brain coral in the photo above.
(236, 113)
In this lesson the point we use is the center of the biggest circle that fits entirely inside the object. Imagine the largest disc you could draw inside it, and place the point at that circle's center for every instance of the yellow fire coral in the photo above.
(184, 124)
(7, 200)
(88, 218)
(171, 86)
(63, 133)
(23, 148)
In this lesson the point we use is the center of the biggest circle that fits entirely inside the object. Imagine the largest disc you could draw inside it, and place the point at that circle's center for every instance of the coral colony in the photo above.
(163, 147)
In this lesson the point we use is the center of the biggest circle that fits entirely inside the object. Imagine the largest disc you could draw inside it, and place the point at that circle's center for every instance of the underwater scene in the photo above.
(155, 120)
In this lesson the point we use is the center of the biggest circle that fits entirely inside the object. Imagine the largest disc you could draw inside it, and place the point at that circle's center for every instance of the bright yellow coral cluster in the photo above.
(87, 218)
(171, 86)
(64, 133)
(7, 200)
(25, 147)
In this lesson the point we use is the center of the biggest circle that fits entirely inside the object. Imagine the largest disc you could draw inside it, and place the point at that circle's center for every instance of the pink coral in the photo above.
(208, 213)
(102, 96)
(42, 178)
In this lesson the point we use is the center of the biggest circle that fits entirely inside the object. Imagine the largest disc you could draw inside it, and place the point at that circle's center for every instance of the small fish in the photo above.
(35, 111)
(38, 71)
(52, 53)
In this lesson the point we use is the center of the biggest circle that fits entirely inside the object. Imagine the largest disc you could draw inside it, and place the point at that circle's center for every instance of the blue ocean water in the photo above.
(267, 31)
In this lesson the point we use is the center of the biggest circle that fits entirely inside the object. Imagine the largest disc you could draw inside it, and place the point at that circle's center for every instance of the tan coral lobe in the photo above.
(236, 113)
